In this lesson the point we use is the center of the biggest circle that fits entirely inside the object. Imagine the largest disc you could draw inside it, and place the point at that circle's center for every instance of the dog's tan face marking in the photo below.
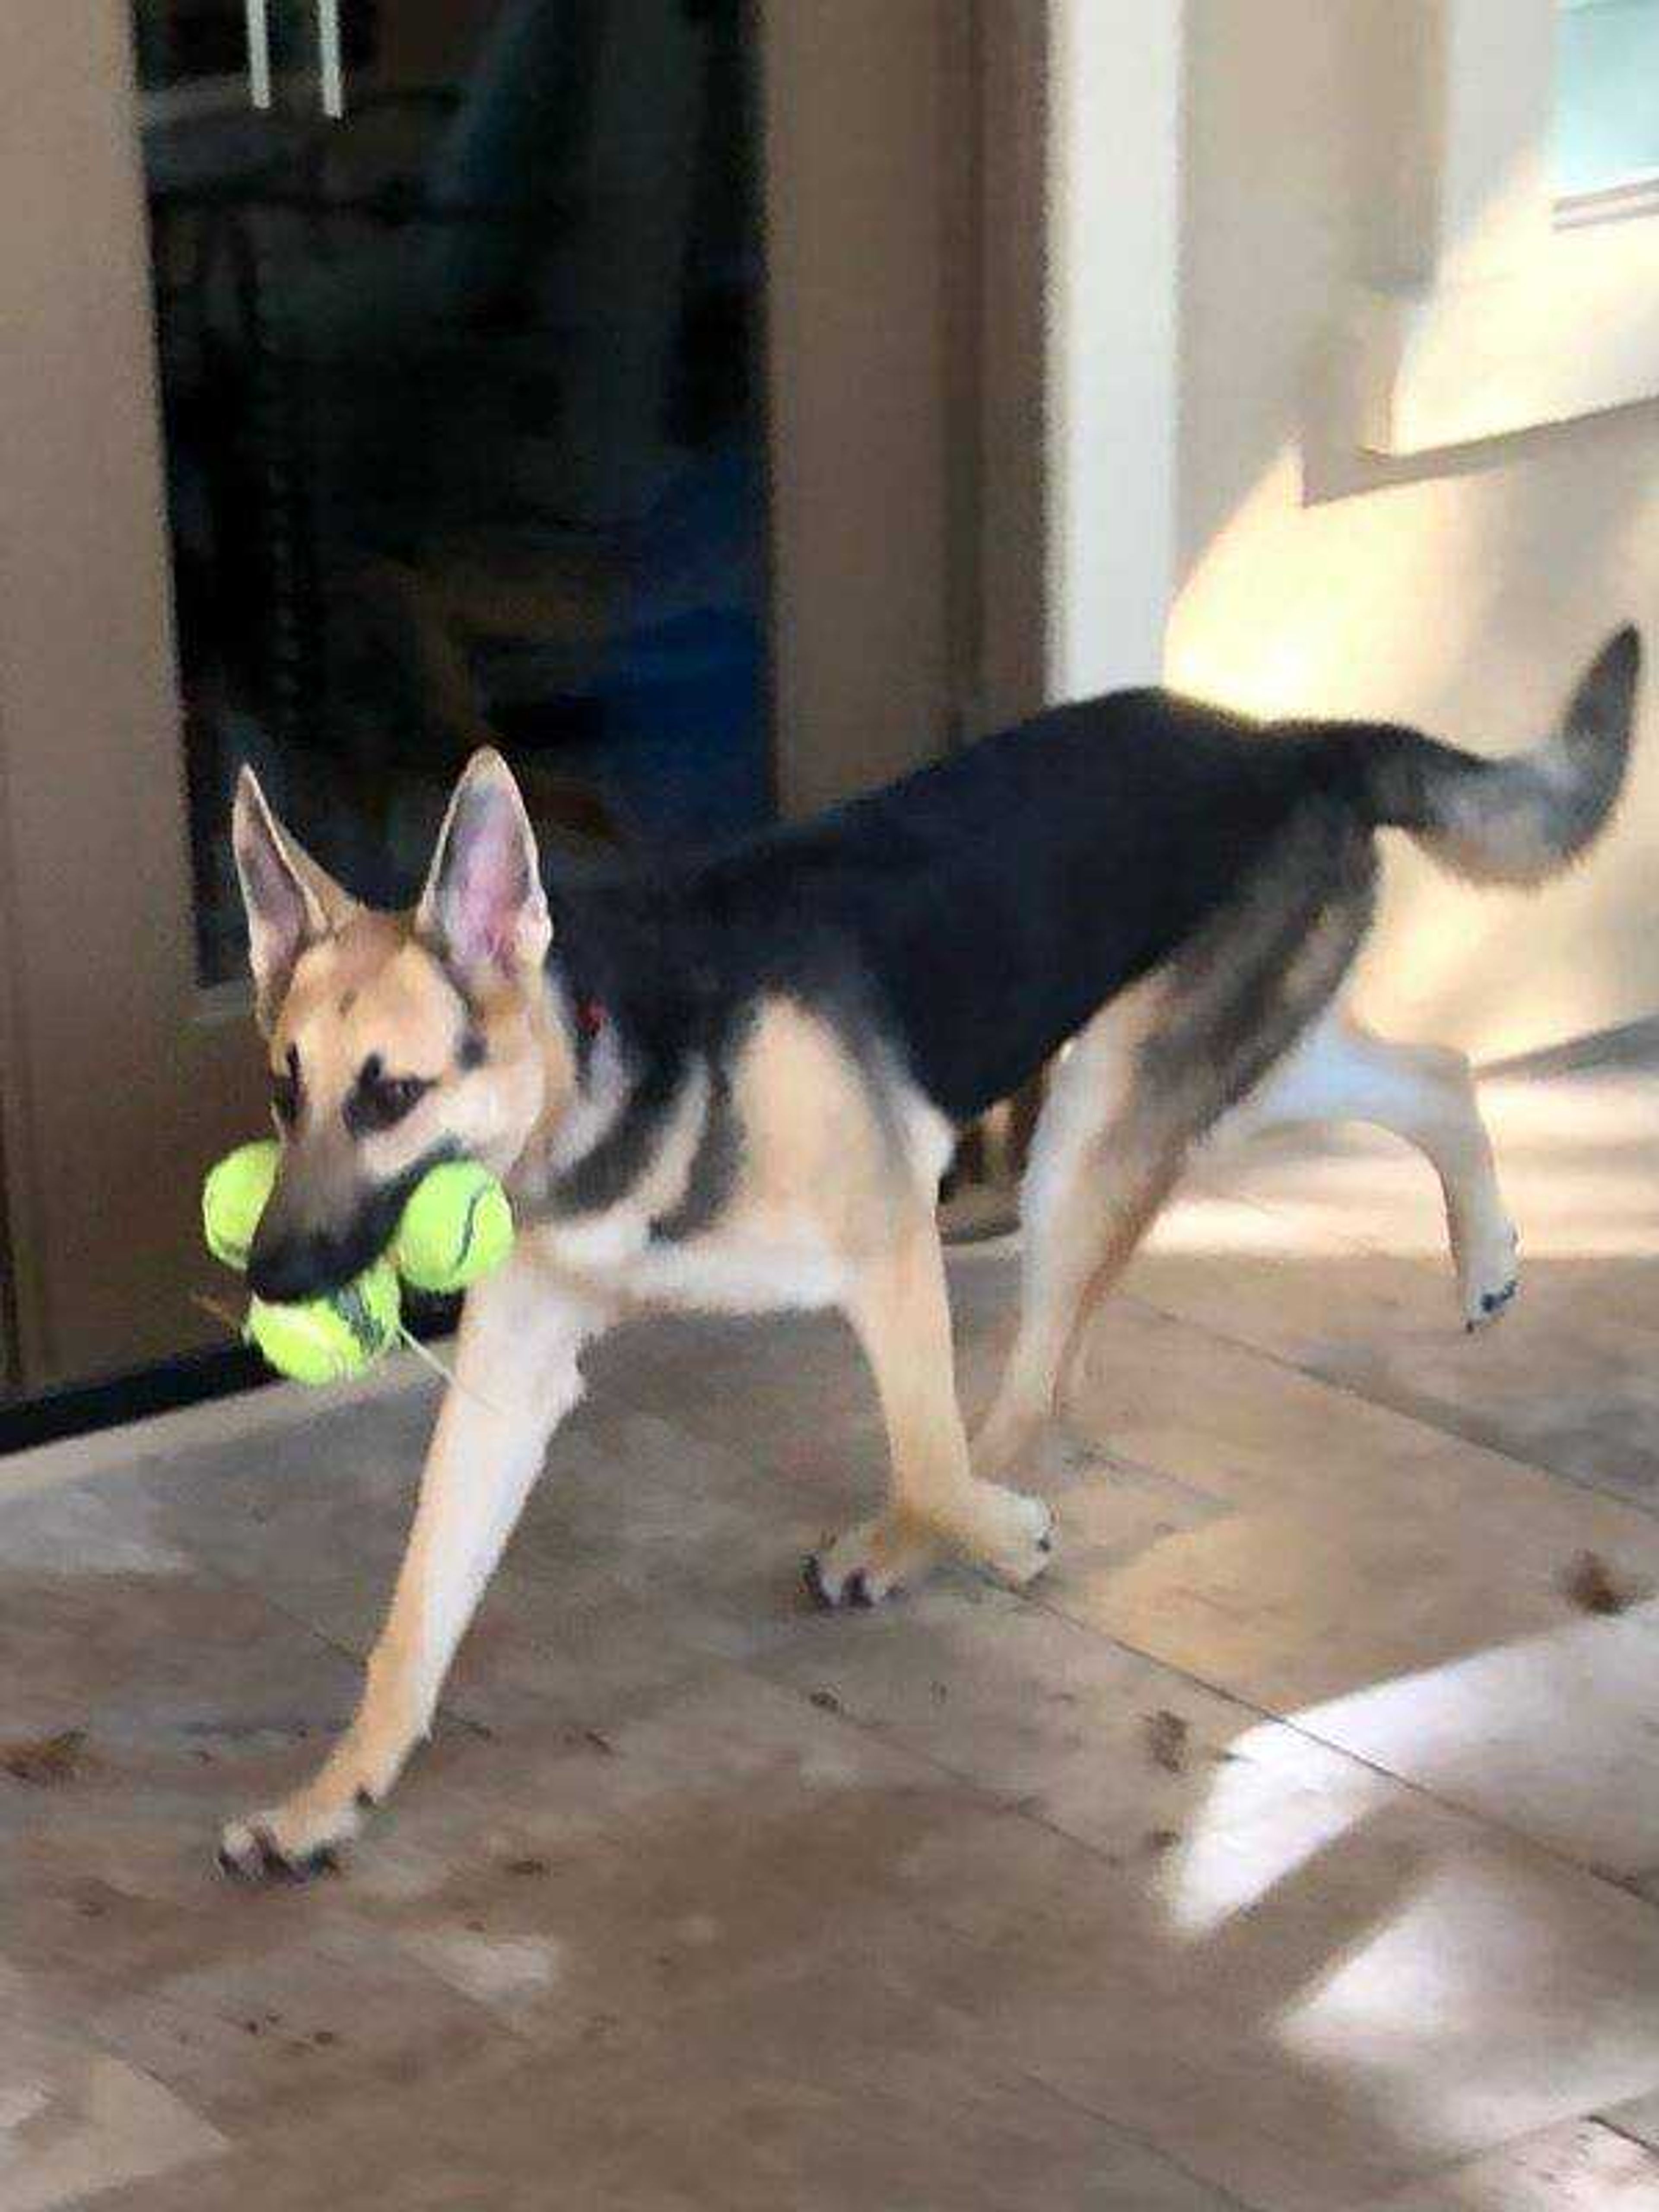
(400, 1030)
(395, 1041)
(391, 1035)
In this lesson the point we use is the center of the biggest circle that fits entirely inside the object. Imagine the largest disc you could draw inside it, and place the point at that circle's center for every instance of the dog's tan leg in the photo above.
(1106, 1152)
(1085, 1253)
(900, 1310)
(516, 1377)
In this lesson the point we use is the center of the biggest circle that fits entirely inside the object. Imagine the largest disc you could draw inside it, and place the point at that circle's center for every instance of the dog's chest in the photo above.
(750, 1266)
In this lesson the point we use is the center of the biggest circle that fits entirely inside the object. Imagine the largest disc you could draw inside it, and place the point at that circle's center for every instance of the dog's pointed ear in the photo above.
(483, 909)
(290, 901)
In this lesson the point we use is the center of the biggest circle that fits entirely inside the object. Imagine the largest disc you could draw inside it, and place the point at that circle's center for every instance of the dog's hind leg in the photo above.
(1423, 1093)
(1149, 1075)
(516, 1377)
(900, 1311)
(1105, 1155)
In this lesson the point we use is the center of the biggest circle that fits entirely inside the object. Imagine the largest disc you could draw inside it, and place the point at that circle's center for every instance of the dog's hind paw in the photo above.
(1021, 1543)
(1490, 1279)
(1494, 1304)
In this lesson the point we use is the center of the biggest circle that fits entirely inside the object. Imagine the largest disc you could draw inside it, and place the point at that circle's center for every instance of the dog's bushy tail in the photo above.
(1523, 819)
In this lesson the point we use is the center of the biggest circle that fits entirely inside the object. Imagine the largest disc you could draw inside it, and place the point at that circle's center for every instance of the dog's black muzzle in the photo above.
(292, 1259)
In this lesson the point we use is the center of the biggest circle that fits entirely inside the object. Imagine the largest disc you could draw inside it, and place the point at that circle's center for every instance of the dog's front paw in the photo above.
(290, 1842)
(1004, 1530)
(876, 1560)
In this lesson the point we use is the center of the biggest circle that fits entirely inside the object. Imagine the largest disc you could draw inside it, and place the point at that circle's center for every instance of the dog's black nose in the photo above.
(291, 1268)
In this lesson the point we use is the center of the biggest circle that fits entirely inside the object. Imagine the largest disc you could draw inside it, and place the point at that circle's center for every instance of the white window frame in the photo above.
(1521, 308)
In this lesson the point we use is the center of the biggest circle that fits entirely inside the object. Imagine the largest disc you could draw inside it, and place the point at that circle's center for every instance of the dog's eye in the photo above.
(285, 1091)
(379, 1102)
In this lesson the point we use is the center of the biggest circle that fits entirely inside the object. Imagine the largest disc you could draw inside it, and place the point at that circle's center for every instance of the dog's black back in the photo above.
(975, 915)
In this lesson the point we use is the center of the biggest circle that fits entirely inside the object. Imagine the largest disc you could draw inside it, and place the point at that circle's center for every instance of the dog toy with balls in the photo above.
(455, 1227)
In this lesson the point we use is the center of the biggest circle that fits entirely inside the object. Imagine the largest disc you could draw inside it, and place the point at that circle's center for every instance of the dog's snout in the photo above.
(313, 1240)
(290, 1266)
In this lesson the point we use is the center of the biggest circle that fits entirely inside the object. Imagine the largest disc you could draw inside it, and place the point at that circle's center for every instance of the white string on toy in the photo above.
(219, 1313)
(424, 1352)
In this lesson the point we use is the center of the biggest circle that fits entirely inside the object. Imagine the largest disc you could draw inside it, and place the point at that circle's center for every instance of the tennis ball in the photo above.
(457, 1226)
(329, 1339)
(233, 1198)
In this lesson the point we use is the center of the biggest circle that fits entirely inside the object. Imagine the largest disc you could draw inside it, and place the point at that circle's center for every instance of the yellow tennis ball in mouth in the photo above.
(457, 1226)
(233, 1197)
(332, 1339)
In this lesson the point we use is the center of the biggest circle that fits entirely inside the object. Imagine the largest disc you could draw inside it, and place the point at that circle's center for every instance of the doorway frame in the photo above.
(1080, 419)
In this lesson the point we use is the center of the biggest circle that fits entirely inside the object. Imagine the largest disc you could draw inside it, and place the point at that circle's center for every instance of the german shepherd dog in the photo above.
(734, 1084)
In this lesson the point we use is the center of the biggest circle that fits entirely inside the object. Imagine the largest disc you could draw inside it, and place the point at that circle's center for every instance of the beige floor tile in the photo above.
(1424, 1519)
(1566, 1381)
(1400, 1592)
(1306, 1973)
(1581, 2167)
(1304, 2030)
(1327, 1248)
(730, 2121)
(1555, 1735)
(296, 2019)
(74, 2120)
(1119, 1752)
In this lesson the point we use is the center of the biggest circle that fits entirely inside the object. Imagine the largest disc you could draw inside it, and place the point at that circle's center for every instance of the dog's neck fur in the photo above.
(589, 1078)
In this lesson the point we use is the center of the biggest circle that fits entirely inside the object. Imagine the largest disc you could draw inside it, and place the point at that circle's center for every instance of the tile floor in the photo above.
(1294, 1846)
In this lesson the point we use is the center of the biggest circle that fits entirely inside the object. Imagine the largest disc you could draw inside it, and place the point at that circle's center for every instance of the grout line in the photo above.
(1075, 2104)
(1601, 1876)
(1625, 2134)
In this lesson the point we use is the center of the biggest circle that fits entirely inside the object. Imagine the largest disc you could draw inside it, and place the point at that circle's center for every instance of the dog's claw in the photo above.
(265, 1862)
(1493, 1303)
(855, 1595)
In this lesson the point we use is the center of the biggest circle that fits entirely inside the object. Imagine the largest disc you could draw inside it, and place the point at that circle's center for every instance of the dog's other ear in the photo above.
(483, 908)
(290, 901)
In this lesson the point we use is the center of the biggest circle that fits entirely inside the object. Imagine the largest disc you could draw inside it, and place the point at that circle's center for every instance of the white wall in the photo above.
(1112, 443)
(1461, 592)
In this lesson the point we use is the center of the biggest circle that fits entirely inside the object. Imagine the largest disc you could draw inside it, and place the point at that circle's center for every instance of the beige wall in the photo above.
(1461, 592)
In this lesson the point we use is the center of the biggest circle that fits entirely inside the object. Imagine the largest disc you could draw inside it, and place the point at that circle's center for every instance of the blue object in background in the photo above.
(684, 756)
